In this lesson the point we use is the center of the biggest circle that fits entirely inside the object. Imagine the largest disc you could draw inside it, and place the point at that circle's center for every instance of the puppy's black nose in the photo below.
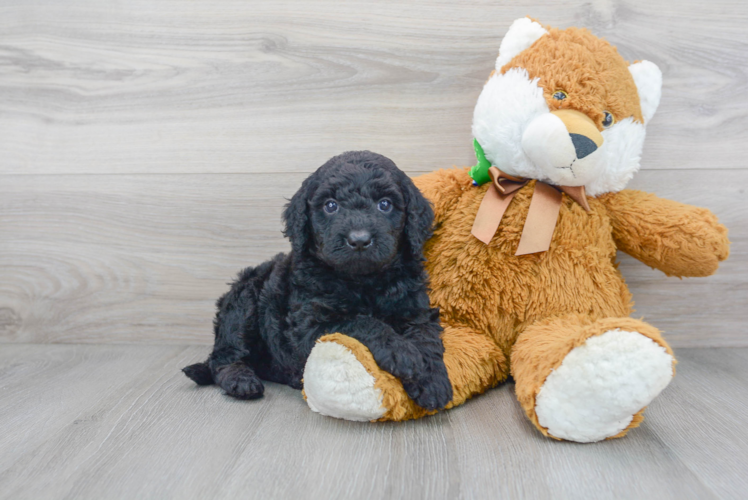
(359, 239)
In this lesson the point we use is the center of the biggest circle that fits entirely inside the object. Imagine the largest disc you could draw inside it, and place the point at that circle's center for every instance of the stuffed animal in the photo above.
(523, 259)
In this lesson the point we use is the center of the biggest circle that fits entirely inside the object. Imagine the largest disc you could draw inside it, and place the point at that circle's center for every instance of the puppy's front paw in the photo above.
(239, 381)
(403, 361)
(431, 392)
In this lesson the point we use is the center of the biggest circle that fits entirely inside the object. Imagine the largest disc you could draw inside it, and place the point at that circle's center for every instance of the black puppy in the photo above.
(357, 228)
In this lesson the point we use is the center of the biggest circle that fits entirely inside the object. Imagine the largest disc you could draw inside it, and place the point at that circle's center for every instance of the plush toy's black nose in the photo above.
(583, 145)
(359, 239)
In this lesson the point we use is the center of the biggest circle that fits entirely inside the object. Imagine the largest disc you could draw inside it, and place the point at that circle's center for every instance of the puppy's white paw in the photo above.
(601, 385)
(336, 384)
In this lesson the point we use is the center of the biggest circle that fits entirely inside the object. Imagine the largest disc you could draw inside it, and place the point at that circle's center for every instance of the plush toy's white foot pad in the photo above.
(336, 384)
(601, 385)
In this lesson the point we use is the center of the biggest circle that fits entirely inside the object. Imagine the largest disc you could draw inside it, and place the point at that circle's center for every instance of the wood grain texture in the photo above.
(122, 422)
(142, 258)
(147, 148)
(269, 86)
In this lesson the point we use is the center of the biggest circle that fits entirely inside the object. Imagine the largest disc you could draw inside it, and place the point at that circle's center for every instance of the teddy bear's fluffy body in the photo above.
(556, 320)
(489, 296)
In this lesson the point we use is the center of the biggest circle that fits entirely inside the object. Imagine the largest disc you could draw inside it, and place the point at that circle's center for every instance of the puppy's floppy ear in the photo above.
(420, 217)
(296, 216)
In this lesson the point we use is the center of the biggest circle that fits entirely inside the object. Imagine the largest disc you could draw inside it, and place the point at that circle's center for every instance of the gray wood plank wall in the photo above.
(146, 148)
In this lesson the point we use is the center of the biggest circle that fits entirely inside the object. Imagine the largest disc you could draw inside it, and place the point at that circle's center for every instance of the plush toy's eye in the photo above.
(608, 120)
(560, 95)
(384, 205)
(331, 206)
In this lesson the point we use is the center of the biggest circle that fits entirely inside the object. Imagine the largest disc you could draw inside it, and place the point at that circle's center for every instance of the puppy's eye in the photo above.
(384, 205)
(608, 120)
(331, 206)
(560, 95)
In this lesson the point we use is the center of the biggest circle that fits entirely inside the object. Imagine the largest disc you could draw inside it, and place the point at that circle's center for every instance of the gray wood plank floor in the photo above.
(86, 421)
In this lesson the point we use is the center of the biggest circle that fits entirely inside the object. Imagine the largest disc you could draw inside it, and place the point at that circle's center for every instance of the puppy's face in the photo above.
(357, 218)
(358, 213)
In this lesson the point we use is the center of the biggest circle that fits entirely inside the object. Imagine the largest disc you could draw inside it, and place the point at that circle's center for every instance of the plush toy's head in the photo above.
(564, 107)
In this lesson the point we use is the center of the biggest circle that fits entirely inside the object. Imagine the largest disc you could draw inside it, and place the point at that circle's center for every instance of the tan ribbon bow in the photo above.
(541, 217)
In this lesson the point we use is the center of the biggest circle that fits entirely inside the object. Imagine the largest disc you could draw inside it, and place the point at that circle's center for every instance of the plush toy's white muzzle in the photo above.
(565, 145)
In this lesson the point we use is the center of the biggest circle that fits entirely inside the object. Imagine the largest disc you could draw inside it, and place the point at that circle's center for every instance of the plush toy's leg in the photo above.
(474, 362)
(587, 381)
(342, 380)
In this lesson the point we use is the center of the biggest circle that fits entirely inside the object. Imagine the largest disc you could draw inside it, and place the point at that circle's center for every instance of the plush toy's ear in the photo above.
(521, 35)
(648, 79)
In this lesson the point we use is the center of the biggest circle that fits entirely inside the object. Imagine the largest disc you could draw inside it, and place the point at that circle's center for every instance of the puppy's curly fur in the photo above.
(357, 228)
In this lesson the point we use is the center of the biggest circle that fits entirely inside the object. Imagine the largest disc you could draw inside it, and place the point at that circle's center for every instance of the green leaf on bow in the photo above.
(479, 172)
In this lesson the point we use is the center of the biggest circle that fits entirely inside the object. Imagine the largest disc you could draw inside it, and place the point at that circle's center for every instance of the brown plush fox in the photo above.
(522, 262)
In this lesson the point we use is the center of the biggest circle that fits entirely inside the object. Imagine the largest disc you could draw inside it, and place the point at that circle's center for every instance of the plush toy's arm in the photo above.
(677, 239)
(443, 189)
